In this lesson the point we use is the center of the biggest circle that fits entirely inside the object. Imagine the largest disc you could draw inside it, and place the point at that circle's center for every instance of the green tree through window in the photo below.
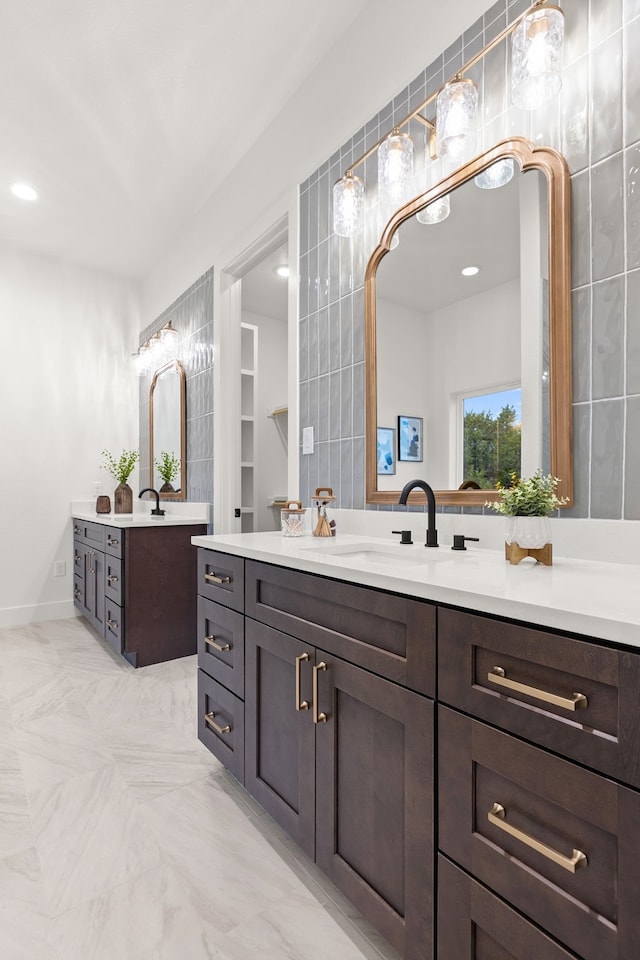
(491, 450)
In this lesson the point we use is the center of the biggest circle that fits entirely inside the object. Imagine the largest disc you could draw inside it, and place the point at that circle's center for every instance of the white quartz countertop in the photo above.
(136, 520)
(600, 600)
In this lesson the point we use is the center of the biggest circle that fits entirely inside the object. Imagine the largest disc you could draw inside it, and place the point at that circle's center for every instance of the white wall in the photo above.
(384, 48)
(271, 392)
(67, 391)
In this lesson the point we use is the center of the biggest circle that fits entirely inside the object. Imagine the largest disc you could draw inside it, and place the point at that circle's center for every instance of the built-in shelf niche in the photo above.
(248, 373)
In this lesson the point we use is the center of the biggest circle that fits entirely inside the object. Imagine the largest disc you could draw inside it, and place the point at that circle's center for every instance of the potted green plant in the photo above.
(121, 469)
(528, 503)
(168, 467)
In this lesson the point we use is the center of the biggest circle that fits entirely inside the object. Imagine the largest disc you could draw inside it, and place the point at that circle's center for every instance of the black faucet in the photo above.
(157, 512)
(432, 533)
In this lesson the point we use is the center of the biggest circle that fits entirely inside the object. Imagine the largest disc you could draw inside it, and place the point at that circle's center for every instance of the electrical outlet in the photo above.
(60, 568)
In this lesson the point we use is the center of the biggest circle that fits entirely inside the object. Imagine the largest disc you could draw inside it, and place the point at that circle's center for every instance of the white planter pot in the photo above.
(530, 533)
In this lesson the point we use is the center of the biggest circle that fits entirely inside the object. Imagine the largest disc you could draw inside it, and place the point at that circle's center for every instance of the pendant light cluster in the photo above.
(157, 350)
(536, 62)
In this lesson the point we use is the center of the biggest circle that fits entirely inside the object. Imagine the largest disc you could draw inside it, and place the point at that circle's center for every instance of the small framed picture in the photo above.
(410, 438)
(386, 451)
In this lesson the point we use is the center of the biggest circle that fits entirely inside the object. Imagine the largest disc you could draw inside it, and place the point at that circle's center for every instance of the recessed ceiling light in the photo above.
(24, 191)
(470, 271)
(282, 270)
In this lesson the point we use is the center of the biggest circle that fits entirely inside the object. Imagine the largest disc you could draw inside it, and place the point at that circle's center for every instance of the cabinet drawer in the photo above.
(90, 533)
(114, 541)
(524, 680)
(114, 625)
(473, 924)
(221, 724)
(78, 558)
(549, 811)
(221, 578)
(221, 644)
(113, 578)
(390, 635)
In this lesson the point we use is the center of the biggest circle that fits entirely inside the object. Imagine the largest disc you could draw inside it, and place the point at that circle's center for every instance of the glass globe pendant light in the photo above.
(348, 205)
(169, 338)
(395, 167)
(536, 58)
(497, 175)
(435, 212)
(457, 120)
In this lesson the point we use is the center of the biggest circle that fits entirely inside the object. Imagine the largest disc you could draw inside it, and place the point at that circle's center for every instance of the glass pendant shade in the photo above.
(457, 121)
(435, 212)
(536, 58)
(497, 175)
(395, 167)
(169, 338)
(348, 205)
(142, 359)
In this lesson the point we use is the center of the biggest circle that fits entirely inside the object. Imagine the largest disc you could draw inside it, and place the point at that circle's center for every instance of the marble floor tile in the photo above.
(16, 831)
(176, 694)
(156, 756)
(114, 699)
(27, 642)
(149, 918)
(90, 837)
(35, 689)
(229, 868)
(25, 928)
(53, 749)
(296, 927)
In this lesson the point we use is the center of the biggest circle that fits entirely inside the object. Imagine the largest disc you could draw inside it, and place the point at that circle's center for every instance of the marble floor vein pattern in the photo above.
(122, 838)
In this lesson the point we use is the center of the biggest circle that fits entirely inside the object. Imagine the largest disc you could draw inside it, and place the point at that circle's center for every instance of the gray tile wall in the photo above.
(192, 316)
(595, 123)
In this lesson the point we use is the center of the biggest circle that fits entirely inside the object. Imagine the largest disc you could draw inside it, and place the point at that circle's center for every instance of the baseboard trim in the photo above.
(37, 613)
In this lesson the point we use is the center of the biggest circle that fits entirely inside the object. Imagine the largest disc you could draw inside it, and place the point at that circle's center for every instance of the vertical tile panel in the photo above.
(607, 349)
(632, 191)
(606, 102)
(632, 81)
(346, 474)
(581, 332)
(606, 459)
(575, 115)
(633, 335)
(323, 341)
(607, 199)
(346, 402)
(580, 230)
(632, 461)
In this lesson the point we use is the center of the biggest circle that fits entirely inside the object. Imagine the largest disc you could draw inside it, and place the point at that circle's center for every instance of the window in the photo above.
(491, 437)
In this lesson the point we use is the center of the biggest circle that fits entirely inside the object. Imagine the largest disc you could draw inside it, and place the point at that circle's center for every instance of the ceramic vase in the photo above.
(123, 499)
(529, 533)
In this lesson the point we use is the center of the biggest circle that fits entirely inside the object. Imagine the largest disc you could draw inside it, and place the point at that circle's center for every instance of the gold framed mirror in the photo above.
(449, 351)
(168, 431)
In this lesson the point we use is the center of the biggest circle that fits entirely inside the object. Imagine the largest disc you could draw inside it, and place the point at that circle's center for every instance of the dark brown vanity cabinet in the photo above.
(329, 688)
(340, 755)
(136, 587)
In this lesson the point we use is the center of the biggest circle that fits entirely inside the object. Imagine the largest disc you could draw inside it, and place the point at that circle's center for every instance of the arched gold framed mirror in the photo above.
(168, 431)
(441, 348)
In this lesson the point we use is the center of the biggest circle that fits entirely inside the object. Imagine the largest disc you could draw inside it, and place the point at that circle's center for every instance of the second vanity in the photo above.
(427, 727)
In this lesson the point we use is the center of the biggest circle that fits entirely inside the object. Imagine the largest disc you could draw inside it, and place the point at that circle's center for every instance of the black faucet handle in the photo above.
(432, 538)
(405, 535)
(459, 540)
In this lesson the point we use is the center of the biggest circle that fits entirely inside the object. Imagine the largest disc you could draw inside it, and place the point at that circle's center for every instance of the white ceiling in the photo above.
(125, 115)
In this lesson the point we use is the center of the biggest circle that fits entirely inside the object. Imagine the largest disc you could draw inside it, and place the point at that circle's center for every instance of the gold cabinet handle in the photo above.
(317, 717)
(111, 542)
(300, 704)
(576, 702)
(209, 717)
(76, 593)
(113, 624)
(112, 579)
(213, 578)
(92, 553)
(212, 642)
(497, 816)
(77, 529)
(76, 557)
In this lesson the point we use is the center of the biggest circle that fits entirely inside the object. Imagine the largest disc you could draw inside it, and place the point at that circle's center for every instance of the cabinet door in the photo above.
(473, 924)
(374, 800)
(279, 739)
(94, 581)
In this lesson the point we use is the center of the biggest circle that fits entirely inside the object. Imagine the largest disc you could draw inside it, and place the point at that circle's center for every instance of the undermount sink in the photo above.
(382, 554)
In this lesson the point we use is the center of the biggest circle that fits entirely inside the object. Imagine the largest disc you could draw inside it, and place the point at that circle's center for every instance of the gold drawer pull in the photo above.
(497, 816)
(76, 593)
(300, 704)
(212, 642)
(76, 557)
(111, 542)
(576, 702)
(112, 579)
(76, 528)
(317, 717)
(113, 624)
(212, 578)
(216, 726)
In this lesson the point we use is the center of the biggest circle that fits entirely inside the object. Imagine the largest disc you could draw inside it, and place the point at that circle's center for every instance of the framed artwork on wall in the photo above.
(386, 451)
(410, 438)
